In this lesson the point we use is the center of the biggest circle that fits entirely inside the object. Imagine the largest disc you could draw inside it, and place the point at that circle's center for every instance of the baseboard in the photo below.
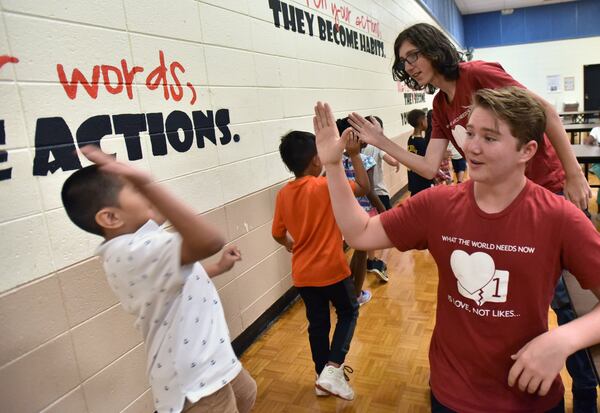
(262, 323)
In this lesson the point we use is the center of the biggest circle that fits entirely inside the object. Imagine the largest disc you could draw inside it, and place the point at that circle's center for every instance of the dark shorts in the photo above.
(385, 200)
(459, 165)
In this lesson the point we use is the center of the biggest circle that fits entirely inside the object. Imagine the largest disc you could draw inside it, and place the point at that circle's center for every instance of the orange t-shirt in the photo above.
(303, 209)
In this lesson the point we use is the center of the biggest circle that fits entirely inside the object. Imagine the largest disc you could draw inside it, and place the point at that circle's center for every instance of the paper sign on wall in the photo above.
(569, 83)
(553, 83)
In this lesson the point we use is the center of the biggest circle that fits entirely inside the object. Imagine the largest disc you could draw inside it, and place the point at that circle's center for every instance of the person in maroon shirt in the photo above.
(425, 59)
(500, 242)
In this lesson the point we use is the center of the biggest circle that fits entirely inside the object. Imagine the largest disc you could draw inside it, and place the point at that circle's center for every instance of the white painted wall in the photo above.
(234, 57)
(531, 63)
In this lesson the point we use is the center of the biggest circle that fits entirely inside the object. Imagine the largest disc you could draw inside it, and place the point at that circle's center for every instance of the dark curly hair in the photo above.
(432, 44)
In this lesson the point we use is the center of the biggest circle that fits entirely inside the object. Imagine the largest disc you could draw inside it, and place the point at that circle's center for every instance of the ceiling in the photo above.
(482, 6)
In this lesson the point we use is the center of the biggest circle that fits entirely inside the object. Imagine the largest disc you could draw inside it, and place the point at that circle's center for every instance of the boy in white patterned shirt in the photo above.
(157, 278)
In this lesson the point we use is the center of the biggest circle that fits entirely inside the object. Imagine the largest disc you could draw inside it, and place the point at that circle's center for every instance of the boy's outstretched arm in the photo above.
(230, 255)
(372, 133)
(199, 238)
(392, 162)
(360, 231)
(539, 362)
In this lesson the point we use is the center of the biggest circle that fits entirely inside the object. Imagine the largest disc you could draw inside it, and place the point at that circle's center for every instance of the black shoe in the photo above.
(379, 268)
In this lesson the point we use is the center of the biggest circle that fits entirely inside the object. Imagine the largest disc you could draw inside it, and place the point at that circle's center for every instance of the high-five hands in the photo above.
(330, 145)
(368, 130)
(352, 142)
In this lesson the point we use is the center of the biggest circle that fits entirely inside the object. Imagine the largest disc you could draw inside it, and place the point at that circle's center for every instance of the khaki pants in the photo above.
(238, 396)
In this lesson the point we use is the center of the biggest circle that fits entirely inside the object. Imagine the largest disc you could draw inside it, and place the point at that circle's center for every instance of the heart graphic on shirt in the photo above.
(460, 135)
(474, 271)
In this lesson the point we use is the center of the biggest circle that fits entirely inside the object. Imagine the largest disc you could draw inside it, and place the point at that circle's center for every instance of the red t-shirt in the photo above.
(450, 119)
(497, 274)
(303, 208)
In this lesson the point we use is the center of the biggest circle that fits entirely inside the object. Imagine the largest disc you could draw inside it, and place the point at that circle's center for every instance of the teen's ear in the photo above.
(109, 218)
(528, 150)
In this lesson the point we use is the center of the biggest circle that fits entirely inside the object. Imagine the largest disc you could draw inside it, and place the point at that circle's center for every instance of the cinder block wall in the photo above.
(198, 93)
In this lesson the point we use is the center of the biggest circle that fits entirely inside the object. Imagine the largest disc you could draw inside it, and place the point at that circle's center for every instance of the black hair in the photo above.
(343, 123)
(414, 117)
(435, 46)
(378, 119)
(297, 149)
(86, 192)
(429, 125)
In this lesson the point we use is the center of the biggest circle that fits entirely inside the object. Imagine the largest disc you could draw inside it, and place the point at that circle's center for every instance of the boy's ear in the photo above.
(316, 161)
(109, 218)
(528, 150)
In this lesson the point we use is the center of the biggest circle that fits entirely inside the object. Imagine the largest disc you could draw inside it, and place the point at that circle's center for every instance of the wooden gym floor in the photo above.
(388, 352)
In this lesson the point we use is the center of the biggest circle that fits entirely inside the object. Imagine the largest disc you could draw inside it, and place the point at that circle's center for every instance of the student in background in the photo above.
(378, 185)
(158, 279)
(371, 204)
(374, 264)
(500, 243)
(459, 165)
(417, 144)
(304, 224)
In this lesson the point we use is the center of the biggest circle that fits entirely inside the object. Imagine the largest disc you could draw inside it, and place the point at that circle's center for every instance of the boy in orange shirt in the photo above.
(305, 225)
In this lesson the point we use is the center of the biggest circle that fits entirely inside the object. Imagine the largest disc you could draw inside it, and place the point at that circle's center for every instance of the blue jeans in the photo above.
(316, 301)
(578, 364)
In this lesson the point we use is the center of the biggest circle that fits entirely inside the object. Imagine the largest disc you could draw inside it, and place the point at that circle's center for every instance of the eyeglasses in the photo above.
(411, 58)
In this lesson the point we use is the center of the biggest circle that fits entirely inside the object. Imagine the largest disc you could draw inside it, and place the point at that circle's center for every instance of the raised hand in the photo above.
(109, 164)
(352, 142)
(330, 145)
(368, 130)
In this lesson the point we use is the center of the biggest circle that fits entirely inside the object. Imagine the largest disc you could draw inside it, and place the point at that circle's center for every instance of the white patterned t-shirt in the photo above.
(179, 314)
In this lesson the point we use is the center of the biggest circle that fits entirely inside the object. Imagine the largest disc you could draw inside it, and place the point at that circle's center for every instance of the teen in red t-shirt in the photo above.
(500, 242)
(426, 59)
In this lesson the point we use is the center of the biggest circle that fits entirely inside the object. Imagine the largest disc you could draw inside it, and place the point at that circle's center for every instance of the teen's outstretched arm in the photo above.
(360, 231)
(372, 133)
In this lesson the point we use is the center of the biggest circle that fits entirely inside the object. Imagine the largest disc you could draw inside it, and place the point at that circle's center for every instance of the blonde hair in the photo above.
(524, 115)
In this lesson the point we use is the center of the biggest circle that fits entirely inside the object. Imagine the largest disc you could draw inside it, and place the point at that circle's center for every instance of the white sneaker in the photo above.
(319, 392)
(334, 381)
